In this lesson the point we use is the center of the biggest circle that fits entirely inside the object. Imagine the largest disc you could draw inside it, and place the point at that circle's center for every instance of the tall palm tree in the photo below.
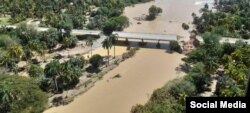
(107, 44)
(52, 70)
(90, 42)
(113, 38)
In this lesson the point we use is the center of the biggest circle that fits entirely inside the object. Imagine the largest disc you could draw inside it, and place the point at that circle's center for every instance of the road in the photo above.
(139, 36)
(128, 35)
(227, 40)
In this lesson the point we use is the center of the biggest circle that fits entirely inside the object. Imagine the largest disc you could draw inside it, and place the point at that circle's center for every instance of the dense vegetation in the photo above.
(25, 44)
(205, 62)
(21, 95)
(92, 14)
(61, 76)
(231, 19)
(22, 43)
(229, 62)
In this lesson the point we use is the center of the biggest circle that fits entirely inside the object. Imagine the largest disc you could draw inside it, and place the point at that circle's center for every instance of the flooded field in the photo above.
(140, 75)
(148, 70)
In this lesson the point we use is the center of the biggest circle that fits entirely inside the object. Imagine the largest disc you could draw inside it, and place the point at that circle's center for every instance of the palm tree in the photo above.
(113, 38)
(67, 42)
(52, 70)
(15, 51)
(8, 94)
(9, 63)
(90, 42)
(107, 44)
(71, 74)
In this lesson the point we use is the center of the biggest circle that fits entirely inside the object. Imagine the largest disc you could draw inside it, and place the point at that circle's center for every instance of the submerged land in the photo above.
(148, 70)
(94, 70)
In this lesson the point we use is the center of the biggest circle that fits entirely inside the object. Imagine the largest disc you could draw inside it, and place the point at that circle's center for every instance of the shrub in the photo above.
(130, 53)
(174, 46)
(153, 12)
(35, 70)
(6, 41)
(174, 89)
(96, 60)
(181, 86)
(165, 106)
(185, 26)
(168, 99)
(77, 61)
(228, 87)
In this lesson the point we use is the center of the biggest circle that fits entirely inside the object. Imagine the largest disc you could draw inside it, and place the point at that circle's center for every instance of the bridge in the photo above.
(146, 36)
(227, 40)
(138, 36)
(122, 35)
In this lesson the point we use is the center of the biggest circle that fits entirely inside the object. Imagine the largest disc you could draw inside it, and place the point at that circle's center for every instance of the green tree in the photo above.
(153, 12)
(21, 95)
(53, 70)
(90, 42)
(70, 74)
(185, 26)
(107, 44)
(96, 60)
(174, 46)
(50, 38)
(115, 24)
(70, 41)
(198, 76)
(113, 38)
(77, 61)
(9, 63)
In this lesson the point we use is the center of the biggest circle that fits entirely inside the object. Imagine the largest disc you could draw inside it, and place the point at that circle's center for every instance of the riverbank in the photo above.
(139, 77)
(148, 70)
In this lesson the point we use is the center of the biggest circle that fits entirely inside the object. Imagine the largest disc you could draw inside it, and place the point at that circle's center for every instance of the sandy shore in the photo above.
(139, 78)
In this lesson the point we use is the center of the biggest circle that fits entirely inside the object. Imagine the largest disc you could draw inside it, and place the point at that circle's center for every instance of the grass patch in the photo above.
(4, 20)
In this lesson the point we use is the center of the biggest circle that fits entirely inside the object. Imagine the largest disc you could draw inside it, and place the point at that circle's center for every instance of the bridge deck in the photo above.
(74, 31)
(227, 40)
(146, 36)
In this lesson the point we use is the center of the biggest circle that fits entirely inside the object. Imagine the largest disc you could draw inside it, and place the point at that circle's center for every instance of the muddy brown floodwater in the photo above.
(148, 70)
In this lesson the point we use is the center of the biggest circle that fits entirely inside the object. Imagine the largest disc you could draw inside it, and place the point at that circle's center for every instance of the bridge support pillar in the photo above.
(126, 41)
(158, 45)
(142, 43)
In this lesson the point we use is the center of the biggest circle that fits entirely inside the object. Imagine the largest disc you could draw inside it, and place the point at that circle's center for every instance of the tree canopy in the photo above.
(21, 95)
(231, 19)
